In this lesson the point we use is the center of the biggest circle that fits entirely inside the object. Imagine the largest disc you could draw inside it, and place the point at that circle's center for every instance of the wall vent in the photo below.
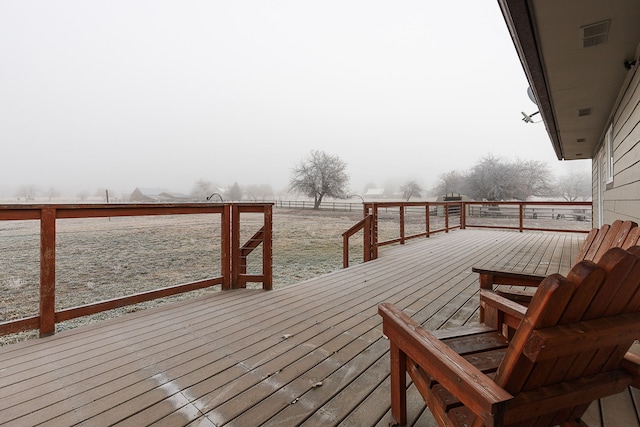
(581, 140)
(584, 112)
(594, 34)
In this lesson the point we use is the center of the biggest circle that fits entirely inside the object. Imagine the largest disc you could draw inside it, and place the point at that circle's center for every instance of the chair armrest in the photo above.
(500, 313)
(474, 389)
(488, 278)
(502, 304)
(631, 364)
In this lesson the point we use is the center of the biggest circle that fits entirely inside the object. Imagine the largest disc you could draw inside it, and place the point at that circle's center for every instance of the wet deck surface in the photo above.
(309, 354)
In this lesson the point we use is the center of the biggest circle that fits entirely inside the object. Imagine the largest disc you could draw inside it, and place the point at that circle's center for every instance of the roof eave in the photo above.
(519, 21)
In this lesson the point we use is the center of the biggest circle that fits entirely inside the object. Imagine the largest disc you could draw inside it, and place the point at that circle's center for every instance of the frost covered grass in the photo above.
(101, 258)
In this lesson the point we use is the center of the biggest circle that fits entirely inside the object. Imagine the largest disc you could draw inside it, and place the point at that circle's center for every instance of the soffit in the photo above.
(571, 77)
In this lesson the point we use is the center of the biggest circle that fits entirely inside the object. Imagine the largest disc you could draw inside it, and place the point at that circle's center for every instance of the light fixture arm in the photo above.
(215, 194)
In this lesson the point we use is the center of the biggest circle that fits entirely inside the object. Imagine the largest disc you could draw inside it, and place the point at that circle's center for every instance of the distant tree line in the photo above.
(495, 179)
(203, 190)
(320, 175)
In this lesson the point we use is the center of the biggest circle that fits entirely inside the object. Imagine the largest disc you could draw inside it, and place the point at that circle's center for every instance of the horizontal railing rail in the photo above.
(232, 254)
(397, 222)
(540, 216)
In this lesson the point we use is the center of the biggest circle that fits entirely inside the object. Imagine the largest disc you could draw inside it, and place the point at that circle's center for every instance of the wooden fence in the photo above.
(233, 254)
(324, 206)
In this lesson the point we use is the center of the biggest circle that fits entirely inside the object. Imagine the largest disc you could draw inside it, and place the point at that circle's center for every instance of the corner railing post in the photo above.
(463, 215)
(267, 249)
(235, 246)
(225, 250)
(521, 214)
(47, 271)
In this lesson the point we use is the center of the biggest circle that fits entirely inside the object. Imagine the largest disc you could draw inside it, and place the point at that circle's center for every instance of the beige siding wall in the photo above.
(621, 199)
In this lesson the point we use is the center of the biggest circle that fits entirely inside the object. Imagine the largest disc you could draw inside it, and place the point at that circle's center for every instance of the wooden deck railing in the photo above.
(398, 222)
(233, 255)
(365, 225)
(407, 220)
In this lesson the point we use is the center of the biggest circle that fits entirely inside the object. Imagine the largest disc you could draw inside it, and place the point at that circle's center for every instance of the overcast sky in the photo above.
(161, 93)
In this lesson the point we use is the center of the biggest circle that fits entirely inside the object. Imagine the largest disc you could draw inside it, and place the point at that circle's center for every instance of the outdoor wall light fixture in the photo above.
(628, 64)
(527, 118)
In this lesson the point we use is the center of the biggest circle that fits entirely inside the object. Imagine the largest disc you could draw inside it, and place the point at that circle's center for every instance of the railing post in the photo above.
(367, 238)
(345, 251)
(267, 249)
(521, 214)
(463, 215)
(235, 246)
(225, 242)
(374, 237)
(446, 217)
(47, 271)
(428, 216)
(402, 223)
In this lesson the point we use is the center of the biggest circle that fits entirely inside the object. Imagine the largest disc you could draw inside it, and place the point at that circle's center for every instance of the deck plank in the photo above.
(309, 354)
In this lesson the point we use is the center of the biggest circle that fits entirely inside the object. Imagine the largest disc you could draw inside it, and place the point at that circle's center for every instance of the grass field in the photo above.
(98, 259)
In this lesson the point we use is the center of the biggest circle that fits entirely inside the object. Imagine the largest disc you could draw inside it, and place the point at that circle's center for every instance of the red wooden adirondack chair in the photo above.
(620, 234)
(570, 348)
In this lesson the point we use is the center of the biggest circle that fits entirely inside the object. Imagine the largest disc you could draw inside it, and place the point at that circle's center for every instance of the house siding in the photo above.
(621, 199)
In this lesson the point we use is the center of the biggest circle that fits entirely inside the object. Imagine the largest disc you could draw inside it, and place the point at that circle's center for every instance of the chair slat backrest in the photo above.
(614, 239)
(592, 243)
(620, 234)
(632, 239)
(591, 292)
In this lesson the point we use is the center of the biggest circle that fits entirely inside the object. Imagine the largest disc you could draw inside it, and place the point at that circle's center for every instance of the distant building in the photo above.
(374, 193)
(157, 195)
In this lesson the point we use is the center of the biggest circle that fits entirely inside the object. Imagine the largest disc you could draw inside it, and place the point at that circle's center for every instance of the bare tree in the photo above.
(411, 189)
(320, 175)
(490, 179)
(449, 182)
(533, 178)
(83, 195)
(27, 192)
(52, 193)
(235, 192)
(202, 189)
(493, 178)
(259, 192)
(574, 185)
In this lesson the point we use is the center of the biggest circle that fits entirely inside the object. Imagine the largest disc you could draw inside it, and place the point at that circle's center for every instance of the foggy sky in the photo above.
(125, 94)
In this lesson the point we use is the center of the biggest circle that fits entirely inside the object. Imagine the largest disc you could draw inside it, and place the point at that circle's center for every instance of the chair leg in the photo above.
(398, 384)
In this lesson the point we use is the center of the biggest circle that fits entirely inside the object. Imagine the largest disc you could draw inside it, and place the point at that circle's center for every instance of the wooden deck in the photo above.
(310, 354)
